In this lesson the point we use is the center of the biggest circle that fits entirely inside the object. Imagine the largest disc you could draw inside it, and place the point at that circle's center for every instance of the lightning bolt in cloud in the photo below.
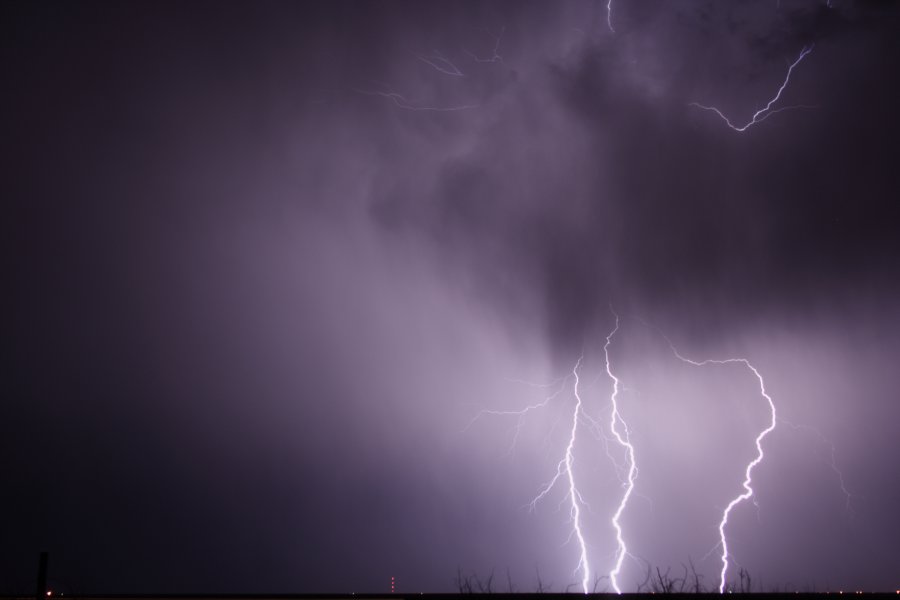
(748, 472)
(401, 102)
(495, 56)
(440, 63)
(767, 111)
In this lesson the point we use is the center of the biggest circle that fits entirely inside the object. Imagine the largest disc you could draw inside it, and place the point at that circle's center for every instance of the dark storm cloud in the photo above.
(660, 201)
(253, 299)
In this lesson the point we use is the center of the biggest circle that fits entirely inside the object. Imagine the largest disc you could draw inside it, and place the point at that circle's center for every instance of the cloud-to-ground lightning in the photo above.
(565, 475)
(767, 111)
(574, 495)
(623, 438)
(748, 472)
(564, 468)
(609, 16)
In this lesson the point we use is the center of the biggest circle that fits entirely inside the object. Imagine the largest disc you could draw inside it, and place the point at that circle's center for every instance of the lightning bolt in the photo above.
(623, 439)
(521, 413)
(748, 472)
(832, 463)
(767, 111)
(565, 472)
(574, 494)
(609, 16)
(440, 63)
(400, 101)
(564, 468)
(495, 56)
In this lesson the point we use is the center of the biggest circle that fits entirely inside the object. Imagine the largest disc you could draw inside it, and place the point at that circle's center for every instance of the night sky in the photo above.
(266, 264)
